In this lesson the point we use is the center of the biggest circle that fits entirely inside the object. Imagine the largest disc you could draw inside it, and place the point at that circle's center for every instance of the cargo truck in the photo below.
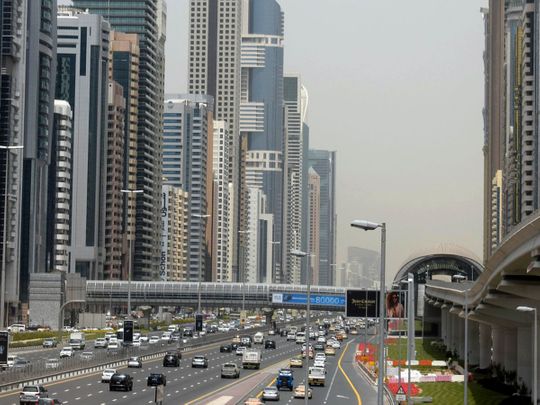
(77, 341)
(251, 359)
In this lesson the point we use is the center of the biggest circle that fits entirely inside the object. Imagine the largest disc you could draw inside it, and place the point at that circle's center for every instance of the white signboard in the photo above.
(277, 298)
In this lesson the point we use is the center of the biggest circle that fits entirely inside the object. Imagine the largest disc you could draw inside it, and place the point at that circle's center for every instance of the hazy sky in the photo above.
(396, 88)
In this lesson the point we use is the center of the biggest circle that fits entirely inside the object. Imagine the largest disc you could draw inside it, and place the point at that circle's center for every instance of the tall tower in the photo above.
(261, 117)
(295, 108)
(143, 17)
(324, 163)
(314, 213)
(214, 70)
(83, 54)
(13, 55)
(38, 121)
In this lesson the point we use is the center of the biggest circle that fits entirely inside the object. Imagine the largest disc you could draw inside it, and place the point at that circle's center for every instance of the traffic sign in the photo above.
(128, 332)
(198, 322)
(400, 394)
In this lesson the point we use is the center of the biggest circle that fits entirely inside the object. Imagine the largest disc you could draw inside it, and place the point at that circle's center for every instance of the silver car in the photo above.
(270, 394)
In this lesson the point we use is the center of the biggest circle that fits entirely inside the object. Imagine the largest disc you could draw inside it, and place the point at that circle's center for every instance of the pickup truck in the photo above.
(230, 370)
(316, 376)
(251, 359)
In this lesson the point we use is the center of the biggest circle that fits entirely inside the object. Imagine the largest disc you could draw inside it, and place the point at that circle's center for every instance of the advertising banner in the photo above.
(362, 303)
(128, 332)
(315, 299)
(395, 309)
(198, 322)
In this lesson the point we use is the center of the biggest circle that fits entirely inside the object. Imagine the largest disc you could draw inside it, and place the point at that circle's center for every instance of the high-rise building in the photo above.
(146, 18)
(295, 109)
(59, 189)
(221, 213)
(324, 163)
(362, 268)
(13, 52)
(187, 135)
(83, 53)
(174, 237)
(261, 116)
(114, 182)
(124, 69)
(34, 34)
(314, 213)
(214, 70)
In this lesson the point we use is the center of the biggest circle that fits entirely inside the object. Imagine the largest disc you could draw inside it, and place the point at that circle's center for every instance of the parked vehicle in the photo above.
(121, 381)
(230, 370)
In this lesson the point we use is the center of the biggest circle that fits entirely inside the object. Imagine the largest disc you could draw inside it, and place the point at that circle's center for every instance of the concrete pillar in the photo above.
(460, 338)
(457, 333)
(451, 332)
(524, 357)
(497, 335)
(443, 324)
(510, 349)
(474, 343)
(485, 344)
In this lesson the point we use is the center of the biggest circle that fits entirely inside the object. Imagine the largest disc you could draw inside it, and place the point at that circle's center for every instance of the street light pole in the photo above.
(300, 254)
(130, 247)
(61, 316)
(466, 356)
(8, 150)
(535, 350)
(370, 226)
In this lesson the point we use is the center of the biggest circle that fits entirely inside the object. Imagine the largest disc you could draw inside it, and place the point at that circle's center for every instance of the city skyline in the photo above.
(363, 88)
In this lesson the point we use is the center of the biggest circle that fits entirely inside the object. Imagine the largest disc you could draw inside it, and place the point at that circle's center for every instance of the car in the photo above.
(300, 392)
(271, 332)
(31, 394)
(230, 370)
(319, 363)
(134, 362)
(86, 356)
(296, 362)
(171, 360)
(320, 356)
(155, 379)
(199, 361)
(240, 350)
(227, 348)
(66, 352)
(136, 343)
(144, 339)
(270, 394)
(269, 344)
(107, 374)
(20, 363)
(121, 381)
(153, 340)
(49, 401)
(166, 337)
(10, 360)
(176, 336)
(319, 347)
(52, 363)
(335, 344)
(321, 339)
(330, 351)
(50, 342)
(253, 401)
(100, 343)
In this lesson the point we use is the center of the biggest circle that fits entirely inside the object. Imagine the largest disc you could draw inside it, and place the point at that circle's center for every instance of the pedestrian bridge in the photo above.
(234, 295)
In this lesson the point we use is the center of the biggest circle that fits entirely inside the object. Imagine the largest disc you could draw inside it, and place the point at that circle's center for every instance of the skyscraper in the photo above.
(124, 69)
(261, 115)
(324, 163)
(187, 134)
(295, 108)
(83, 54)
(314, 215)
(114, 182)
(142, 17)
(59, 189)
(214, 70)
(12, 91)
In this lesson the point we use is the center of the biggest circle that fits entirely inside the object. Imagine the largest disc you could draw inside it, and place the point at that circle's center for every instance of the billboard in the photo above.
(395, 309)
(301, 299)
(362, 303)
(128, 332)
(4, 344)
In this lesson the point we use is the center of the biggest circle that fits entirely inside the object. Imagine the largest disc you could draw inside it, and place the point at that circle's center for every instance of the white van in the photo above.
(16, 327)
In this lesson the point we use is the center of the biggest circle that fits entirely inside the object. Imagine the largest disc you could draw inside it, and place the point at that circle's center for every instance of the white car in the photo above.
(113, 345)
(144, 338)
(335, 344)
(320, 356)
(136, 343)
(134, 362)
(321, 339)
(319, 363)
(100, 343)
(166, 337)
(153, 340)
(107, 374)
(66, 352)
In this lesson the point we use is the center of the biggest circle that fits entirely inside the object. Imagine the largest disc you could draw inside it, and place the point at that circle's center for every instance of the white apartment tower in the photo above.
(220, 166)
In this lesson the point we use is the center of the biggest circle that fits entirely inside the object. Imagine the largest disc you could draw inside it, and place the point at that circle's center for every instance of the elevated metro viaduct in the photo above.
(499, 335)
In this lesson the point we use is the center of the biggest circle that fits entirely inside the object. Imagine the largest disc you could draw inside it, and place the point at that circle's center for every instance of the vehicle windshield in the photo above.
(30, 389)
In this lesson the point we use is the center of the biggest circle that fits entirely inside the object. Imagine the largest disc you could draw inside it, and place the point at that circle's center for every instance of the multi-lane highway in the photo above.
(186, 385)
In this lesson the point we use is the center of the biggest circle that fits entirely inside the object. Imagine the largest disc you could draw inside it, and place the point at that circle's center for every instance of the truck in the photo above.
(251, 359)
(316, 376)
(77, 340)
(285, 379)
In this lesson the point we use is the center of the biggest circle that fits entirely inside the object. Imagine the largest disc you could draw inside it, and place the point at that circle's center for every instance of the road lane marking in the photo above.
(358, 398)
